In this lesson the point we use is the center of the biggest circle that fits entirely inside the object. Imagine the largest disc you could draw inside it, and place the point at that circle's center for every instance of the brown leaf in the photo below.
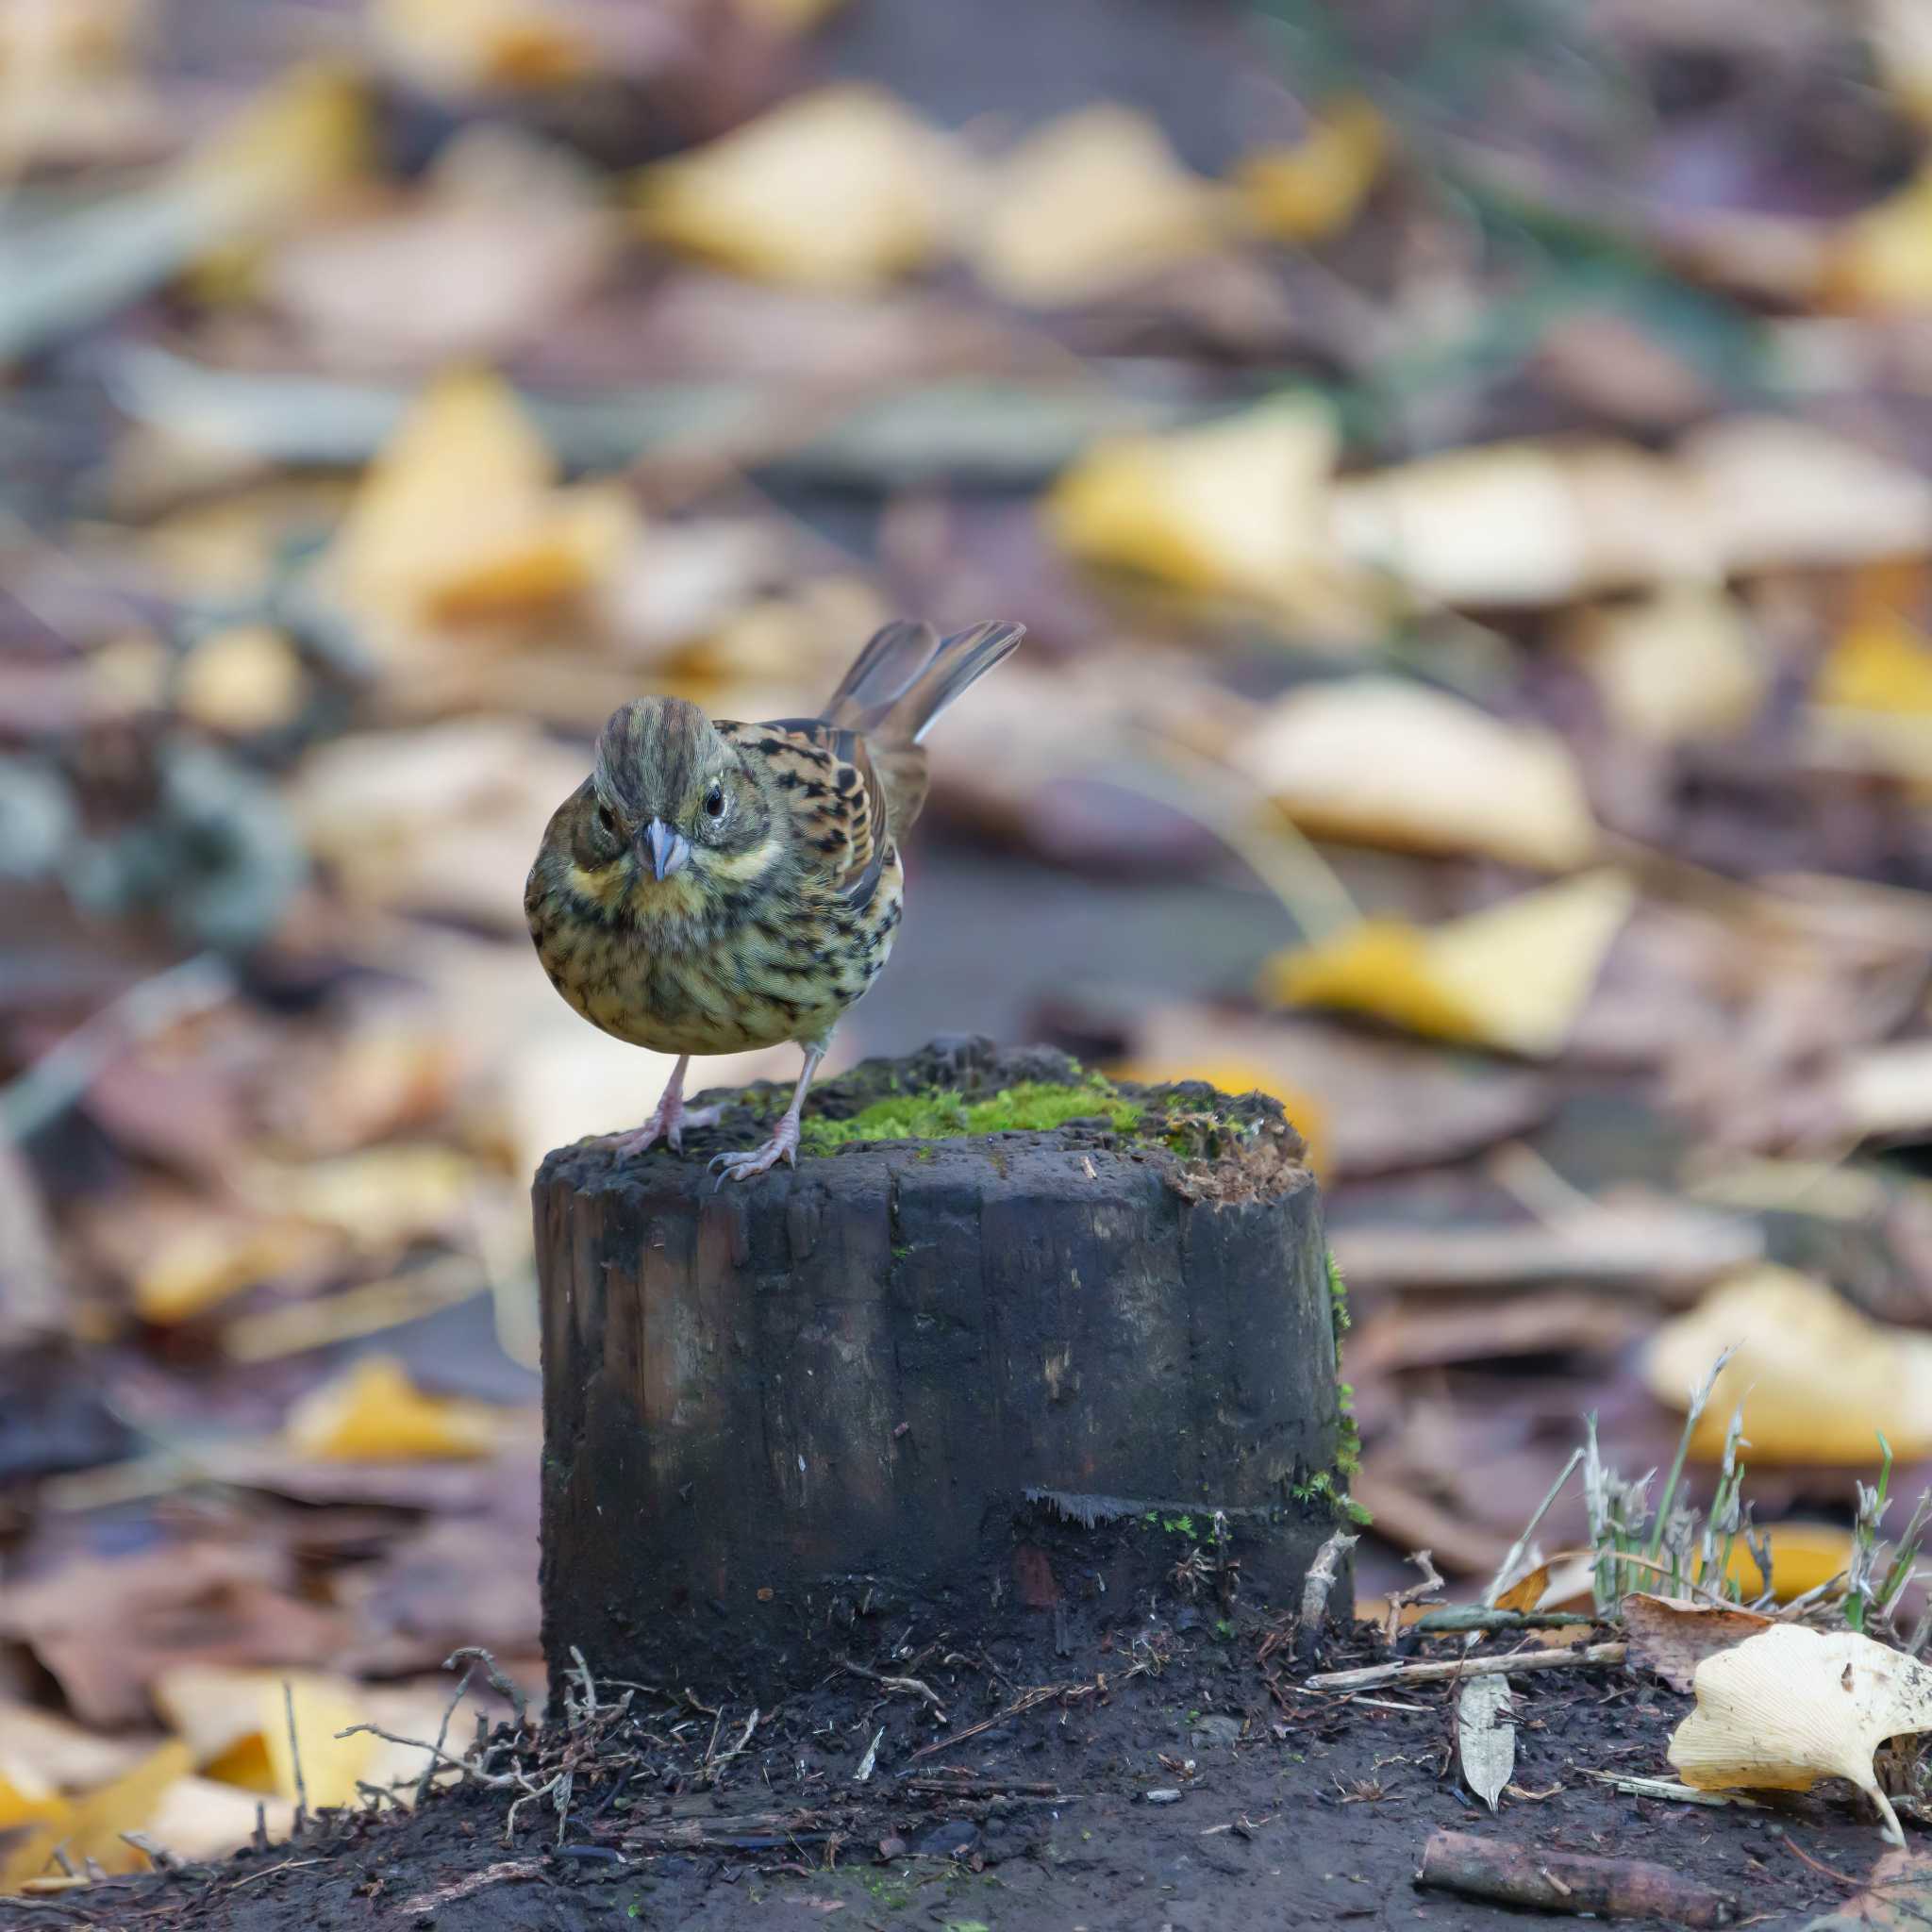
(1672, 1636)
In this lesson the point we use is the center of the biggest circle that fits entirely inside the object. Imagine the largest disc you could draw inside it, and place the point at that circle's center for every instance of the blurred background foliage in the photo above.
(1467, 472)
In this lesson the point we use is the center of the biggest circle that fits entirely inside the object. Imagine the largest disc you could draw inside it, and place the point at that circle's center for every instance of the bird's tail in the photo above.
(907, 674)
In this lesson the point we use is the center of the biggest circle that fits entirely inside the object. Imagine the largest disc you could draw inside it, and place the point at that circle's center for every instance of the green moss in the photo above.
(1033, 1105)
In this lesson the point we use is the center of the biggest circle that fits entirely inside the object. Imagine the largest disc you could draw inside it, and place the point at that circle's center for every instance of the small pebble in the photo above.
(1165, 1795)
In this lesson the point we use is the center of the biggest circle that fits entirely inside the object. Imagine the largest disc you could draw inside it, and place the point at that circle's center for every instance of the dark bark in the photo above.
(994, 1387)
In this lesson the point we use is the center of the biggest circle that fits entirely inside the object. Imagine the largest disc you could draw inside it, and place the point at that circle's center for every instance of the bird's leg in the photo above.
(782, 1145)
(670, 1119)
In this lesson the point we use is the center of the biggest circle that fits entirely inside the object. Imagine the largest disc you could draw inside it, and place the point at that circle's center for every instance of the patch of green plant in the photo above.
(1031, 1106)
(1321, 1488)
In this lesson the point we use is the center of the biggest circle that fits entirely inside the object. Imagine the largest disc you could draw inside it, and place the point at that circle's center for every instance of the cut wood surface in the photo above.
(989, 1382)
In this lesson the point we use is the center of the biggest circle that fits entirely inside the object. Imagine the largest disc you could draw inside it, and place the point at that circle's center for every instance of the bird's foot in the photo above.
(668, 1125)
(782, 1145)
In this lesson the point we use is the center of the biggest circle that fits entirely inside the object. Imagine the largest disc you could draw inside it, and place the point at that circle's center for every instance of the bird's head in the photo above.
(671, 807)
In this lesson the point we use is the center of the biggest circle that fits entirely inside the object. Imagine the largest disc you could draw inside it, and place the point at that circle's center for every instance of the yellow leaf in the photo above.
(1091, 203)
(371, 1412)
(1878, 663)
(379, 1198)
(466, 46)
(306, 132)
(1789, 1706)
(1804, 1557)
(1515, 975)
(1236, 509)
(1882, 259)
(1819, 1381)
(459, 517)
(790, 16)
(199, 1819)
(243, 679)
(330, 1765)
(1381, 761)
(838, 189)
(1304, 1109)
(93, 1825)
(205, 1260)
(1313, 188)
(25, 1798)
(1677, 665)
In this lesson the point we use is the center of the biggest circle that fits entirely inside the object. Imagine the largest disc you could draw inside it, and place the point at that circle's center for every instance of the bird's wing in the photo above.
(825, 775)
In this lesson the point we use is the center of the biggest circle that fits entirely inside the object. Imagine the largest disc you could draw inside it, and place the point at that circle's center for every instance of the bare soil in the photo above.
(1299, 1809)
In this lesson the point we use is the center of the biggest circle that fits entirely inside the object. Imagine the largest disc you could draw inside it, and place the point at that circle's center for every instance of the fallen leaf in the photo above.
(1090, 204)
(1672, 1636)
(1315, 186)
(503, 239)
(107, 1629)
(1804, 1557)
(1676, 665)
(1886, 1091)
(1515, 975)
(457, 47)
(243, 679)
(1818, 1381)
(60, 1754)
(371, 1412)
(92, 1826)
(1879, 260)
(1790, 1706)
(379, 1199)
(838, 189)
(1485, 1736)
(460, 515)
(1234, 509)
(1897, 1897)
(1380, 762)
(201, 1820)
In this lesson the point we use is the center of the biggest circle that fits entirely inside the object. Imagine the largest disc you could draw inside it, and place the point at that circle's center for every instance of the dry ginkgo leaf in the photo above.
(1677, 665)
(1878, 662)
(1887, 1089)
(1514, 976)
(92, 1826)
(1881, 260)
(460, 515)
(371, 1412)
(1236, 507)
(1524, 522)
(1817, 1380)
(1485, 1736)
(1672, 1636)
(1092, 203)
(1313, 187)
(245, 678)
(1804, 1557)
(466, 46)
(839, 189)
(1790, 1706)
(1382, 762)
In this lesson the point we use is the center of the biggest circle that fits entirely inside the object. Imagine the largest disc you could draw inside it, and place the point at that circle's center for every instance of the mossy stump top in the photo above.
(1015, 1354)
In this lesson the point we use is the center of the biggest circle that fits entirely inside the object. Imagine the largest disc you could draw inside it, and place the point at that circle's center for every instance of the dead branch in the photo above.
(1321, 1581)
(911, 1686)
(1591, 1657)
(1573, 1882)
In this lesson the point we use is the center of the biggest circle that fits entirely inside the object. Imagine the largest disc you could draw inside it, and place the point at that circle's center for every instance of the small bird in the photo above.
(713, 887)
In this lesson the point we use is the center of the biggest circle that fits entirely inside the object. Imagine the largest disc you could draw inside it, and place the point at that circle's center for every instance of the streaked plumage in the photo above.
(713, 887)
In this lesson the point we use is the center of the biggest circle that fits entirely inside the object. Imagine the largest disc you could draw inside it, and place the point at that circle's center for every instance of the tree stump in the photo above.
(1034, 1383)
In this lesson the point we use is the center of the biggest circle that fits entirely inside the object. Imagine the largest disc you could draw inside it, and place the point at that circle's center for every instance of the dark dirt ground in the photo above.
(1301, 1809)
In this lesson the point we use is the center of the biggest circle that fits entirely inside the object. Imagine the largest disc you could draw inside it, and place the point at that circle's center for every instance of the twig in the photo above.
(1320, 1581)
(295, 1758)
(1804, 1856)
(159, 1856)
(1675, 1793)
(1456, 1618)
(498, 1679)
(936, 1785)
(1025, 1701)
(911, 1686)
(583, 1671)
(713, 1763)
(1551, 1881)
(1518, 1550)
(1400, 1600)
(430, 1769)
(269, 1871)
(1371, 1676)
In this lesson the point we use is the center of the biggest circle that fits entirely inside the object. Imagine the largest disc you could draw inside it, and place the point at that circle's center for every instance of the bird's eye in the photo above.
(714, 801)
(606, 820)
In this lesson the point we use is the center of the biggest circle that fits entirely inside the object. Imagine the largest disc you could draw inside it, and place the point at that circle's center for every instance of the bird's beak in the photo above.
(669, 849)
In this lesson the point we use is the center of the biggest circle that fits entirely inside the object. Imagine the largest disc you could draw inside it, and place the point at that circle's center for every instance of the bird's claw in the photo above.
(782, 1145)
(642, 1139)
